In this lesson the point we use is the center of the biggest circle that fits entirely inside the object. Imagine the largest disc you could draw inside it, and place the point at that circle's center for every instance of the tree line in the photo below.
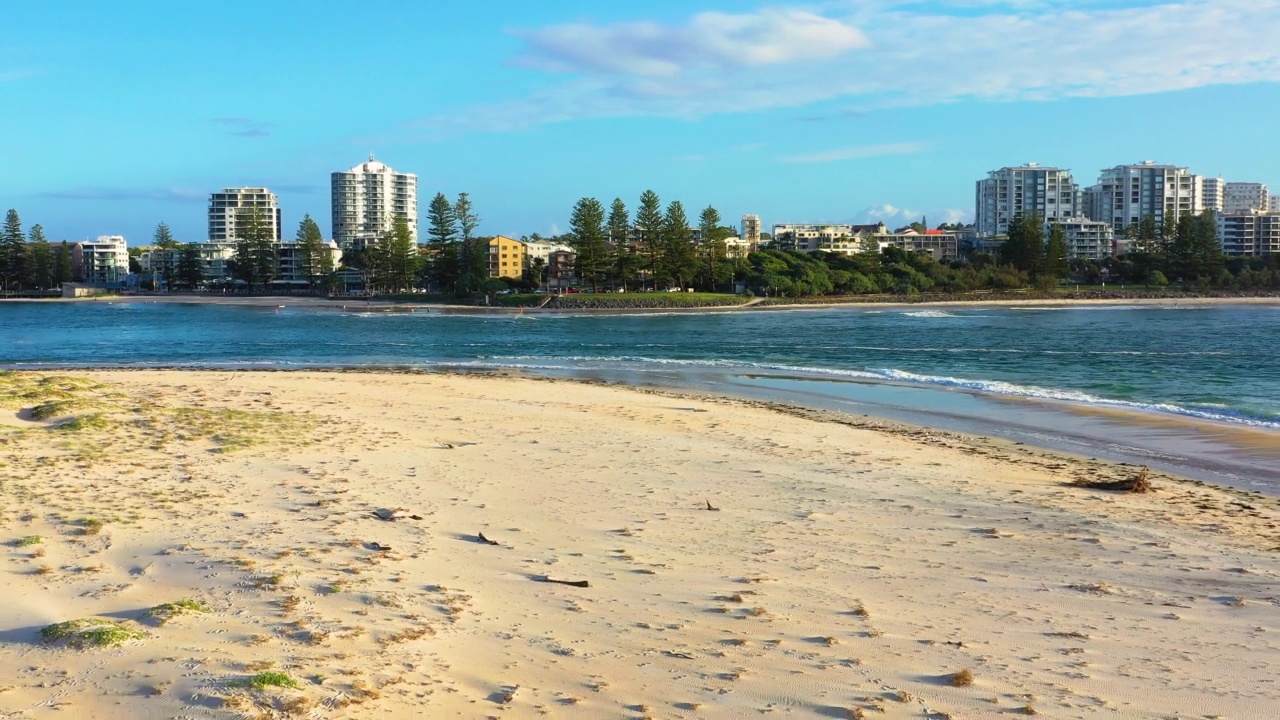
(656, 248)
(28, 261)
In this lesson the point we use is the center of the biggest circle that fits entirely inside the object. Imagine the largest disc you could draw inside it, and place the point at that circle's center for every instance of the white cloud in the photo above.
(894, 216)
(872, 55)
(858, 152)
(709, 39)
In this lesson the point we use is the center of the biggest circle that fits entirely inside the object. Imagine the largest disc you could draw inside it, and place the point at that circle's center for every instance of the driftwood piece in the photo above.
(1140, 483)
(575, 583)
(711, 508)
(480, 537)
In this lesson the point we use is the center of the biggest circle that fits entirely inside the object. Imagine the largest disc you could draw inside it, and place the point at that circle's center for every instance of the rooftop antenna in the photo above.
(370, 157)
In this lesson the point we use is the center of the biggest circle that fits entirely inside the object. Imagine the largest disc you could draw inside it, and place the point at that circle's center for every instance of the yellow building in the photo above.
(506, 258)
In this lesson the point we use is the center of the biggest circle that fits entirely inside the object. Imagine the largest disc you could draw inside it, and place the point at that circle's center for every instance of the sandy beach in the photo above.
(307, 544)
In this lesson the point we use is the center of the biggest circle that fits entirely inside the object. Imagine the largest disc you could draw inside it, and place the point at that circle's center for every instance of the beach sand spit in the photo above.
(309, 544)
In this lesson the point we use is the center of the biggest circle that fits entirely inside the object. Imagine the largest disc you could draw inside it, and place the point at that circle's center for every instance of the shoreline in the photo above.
(735, 558)
(357, 305)
(1243, 437)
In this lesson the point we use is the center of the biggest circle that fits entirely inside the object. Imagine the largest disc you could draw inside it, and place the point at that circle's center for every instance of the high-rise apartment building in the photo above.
(1127, 193)
(226, 207)
(1249, 233)
(1212, 193)
(1010, 192)
(1244, 196)
(366, 201)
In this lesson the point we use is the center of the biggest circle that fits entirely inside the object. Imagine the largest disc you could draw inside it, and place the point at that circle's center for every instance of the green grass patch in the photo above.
(62, 408)
(23, 389)
(28, 541)
(231, 430)
(92, 421)
(90, 526)
(90, 632)
(271, 678)
(168, 611)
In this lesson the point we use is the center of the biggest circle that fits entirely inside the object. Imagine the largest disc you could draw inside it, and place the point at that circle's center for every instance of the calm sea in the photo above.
(1041, 373)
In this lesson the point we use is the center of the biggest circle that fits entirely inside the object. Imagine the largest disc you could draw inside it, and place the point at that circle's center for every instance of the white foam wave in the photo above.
(997, 387)
(931, 314)
(991, 387)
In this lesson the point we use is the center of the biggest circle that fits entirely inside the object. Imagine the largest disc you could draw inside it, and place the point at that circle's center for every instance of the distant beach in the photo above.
(746, 306)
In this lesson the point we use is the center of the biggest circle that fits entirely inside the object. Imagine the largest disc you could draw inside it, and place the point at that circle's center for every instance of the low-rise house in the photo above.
(941, 245)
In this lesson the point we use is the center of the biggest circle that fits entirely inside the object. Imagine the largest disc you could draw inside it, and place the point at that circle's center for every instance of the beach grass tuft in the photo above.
(28, 541)
(84, 423)
(167, 611)
(90, 632)
(963, 678)
(90, 526)
(271, 678)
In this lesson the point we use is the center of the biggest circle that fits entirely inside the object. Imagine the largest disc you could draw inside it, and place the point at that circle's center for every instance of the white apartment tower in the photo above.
(1240, 197)
(1249, 233)
(1127, 193)
(225, 208)
(1010, 192)
(366, 201)
(751, 229)
(1212, 193)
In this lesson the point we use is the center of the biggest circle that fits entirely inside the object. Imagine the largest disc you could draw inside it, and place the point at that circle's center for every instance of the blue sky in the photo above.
(119, 115)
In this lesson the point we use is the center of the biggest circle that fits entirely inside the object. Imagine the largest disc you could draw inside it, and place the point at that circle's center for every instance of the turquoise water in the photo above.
(1218, 363)
(1018, 373)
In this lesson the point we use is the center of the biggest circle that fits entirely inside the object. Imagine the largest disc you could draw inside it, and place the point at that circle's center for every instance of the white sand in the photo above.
(963, 553)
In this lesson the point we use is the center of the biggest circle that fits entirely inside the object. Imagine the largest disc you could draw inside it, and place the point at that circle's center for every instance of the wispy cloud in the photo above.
(244, 127)
(708, 40)
(875, 54)
(858, 152)
(108, 193)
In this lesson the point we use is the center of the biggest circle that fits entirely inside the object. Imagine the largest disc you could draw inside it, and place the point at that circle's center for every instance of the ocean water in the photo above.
(1219, 364)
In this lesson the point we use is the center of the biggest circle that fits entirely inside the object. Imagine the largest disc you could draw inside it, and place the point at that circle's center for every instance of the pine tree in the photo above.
(398, 256)
(679, 259)
(314, 259)
(473, 257)
(255, 260)
(1024, 248)
(589, 239)
(442, 246)
(619, 226)
(713, 247)
(63, 269)
(1182, 264)
(12, 250)
(1206, 249)
(162, 255)
(1056, 263)
(649, 227)
(190, 267)
(39, 260)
